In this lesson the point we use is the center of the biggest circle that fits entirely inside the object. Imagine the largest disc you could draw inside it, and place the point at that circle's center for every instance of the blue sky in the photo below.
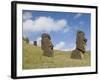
(62, 27)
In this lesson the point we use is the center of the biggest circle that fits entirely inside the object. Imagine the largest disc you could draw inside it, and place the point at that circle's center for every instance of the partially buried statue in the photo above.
(78, 53)
(47, 45)
(35, 43)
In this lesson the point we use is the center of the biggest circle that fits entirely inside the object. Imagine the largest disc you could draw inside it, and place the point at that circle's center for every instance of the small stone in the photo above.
(35, 43)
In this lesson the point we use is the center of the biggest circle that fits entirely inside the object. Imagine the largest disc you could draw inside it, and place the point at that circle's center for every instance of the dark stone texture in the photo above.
(46, 45)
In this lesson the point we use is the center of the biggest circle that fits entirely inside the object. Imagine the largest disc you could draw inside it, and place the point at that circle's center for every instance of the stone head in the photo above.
(81, 41)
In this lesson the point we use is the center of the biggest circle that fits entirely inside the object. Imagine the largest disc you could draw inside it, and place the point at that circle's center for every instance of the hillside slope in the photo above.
(33, 58)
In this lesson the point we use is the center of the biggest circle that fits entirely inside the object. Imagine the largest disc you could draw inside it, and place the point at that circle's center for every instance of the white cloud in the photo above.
(39, 41)
(70, 49)
(66, 30)
(27, 15)
(60, 46)
(77, 15)
(44, 24)
(30, 42)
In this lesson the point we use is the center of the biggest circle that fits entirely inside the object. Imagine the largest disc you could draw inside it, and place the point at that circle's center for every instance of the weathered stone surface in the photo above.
(78, 53)
(46, 45)
(81, 41)
(35, 43)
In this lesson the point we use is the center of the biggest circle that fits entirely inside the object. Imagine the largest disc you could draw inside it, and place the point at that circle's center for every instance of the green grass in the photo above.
(34, 59)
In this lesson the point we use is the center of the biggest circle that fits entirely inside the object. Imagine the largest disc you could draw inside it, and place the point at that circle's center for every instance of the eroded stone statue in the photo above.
(46, 45)
(78, 53)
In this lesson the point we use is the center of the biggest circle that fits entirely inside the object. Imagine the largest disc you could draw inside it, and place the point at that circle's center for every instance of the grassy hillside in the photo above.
(33, 58)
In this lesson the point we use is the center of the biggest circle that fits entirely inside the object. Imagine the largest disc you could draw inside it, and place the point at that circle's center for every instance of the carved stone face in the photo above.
(78, 53)
(81, 41)
(46, 44)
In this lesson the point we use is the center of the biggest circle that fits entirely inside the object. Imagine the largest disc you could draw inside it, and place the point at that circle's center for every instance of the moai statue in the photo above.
(47, 45)
(35, 43)
(78, 53)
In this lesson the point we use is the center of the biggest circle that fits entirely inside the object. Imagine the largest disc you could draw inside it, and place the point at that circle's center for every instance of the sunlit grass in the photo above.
(34, 59)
